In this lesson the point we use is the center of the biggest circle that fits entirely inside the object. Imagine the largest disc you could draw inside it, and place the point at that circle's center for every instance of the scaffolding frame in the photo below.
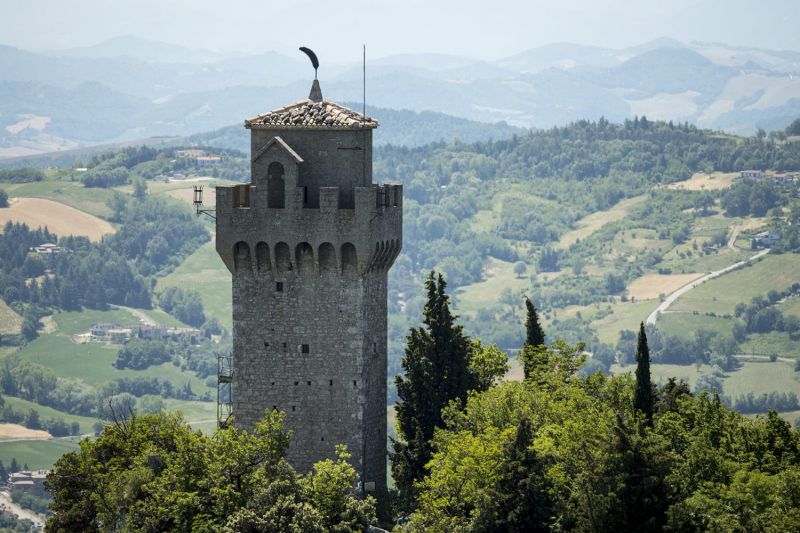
(224, 390)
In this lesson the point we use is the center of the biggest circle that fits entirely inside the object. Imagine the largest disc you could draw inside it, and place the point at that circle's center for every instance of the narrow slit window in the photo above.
(330, 383)
(355, 383)
(293, 408)
(279, 286)
(308, 383)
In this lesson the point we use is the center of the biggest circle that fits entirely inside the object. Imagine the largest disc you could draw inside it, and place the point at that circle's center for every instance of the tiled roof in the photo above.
(312, 115)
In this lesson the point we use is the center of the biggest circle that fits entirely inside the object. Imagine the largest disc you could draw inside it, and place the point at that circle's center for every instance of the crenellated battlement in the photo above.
(373, 228)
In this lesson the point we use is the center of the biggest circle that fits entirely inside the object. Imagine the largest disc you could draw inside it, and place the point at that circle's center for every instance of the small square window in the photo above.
(293, 408)
(322, 438)
(296, 383)
(279, 286)
(304, 348)
(266, 344)
(283, 345)
(272, 384)
(308, 383)
(331, 383)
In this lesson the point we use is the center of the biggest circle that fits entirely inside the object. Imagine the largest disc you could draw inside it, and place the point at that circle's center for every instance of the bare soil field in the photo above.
(17, 432)
(650, 286)
(61, 219)
(706, 182)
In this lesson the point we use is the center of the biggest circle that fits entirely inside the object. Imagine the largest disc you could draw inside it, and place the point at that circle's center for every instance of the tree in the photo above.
(487, 363)
(534, 334)
(3, 198)
(520, 268)
(153, 473)
(643, 394)
(139, 188)
(435, 371)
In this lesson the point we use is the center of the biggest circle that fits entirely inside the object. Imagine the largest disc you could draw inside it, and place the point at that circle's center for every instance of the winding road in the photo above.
(651, 319)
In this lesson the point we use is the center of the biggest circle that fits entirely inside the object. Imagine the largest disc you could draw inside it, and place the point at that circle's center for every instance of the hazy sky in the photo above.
(336, 28)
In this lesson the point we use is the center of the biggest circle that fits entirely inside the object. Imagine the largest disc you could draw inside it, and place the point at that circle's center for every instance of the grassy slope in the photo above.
(92, 362)
(87, 423)
(721, 295)
(72, 193)
(204, 271)
(10, 321)
(36, 453)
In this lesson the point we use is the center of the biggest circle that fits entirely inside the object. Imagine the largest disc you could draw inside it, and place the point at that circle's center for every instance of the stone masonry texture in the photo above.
(309, 290)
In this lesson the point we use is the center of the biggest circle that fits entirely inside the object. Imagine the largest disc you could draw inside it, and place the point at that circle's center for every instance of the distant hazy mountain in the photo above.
(128, 88)
(129, 46)
(398, 127)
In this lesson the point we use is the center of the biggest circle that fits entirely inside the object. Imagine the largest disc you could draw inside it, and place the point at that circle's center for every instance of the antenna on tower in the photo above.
(364, 78)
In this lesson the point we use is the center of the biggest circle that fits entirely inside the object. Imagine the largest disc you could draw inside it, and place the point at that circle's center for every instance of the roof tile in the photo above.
(309, 114)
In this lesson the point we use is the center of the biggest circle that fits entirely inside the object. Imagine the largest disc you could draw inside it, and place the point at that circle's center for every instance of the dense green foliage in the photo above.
(21, 175)
(152, 473)
(155, 234)
(27, 500)
(184, 304)
(747, 197)
(590, 465)
(3, 198)
(142, 353)
(440, 365)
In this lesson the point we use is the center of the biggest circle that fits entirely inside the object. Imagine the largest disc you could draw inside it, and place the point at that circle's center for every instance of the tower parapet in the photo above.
(309, 242)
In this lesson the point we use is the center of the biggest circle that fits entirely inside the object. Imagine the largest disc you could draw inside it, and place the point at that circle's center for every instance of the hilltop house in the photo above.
(766, 238)
(751, 174)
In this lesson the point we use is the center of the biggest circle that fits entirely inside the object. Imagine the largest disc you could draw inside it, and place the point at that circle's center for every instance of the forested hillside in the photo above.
(596, 222)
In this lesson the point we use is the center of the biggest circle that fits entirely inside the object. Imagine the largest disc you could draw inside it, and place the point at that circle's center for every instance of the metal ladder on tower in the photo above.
(224, 390)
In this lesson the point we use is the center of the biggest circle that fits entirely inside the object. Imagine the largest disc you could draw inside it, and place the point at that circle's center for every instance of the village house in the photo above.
(766, 238)
(751, 174)
(29, 481)
(190, 152)
(49, 248)
(208, 161)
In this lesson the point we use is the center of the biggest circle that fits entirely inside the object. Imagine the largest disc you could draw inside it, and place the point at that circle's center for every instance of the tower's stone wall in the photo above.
(309, 295)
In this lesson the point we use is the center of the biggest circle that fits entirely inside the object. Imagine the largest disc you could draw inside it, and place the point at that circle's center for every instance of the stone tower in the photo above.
(309, 242)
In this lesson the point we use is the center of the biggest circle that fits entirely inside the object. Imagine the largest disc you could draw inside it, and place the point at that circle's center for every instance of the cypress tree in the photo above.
(643, 395)
(534, 334)
(435, 371)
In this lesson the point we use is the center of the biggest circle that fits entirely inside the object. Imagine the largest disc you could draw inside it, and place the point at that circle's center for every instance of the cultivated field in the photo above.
(701, 181)
(498, 275)
(86, 422)
(59, 218)
(720, 295)
(591, 223)
(72, 193)
(204, 272)
(17, 432)
(758, 378)
(624, 316)
(651, 286)
(35, 453)
(10, 321)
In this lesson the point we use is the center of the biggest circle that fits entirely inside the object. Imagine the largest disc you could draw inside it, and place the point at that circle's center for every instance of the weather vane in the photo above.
(313, 57)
